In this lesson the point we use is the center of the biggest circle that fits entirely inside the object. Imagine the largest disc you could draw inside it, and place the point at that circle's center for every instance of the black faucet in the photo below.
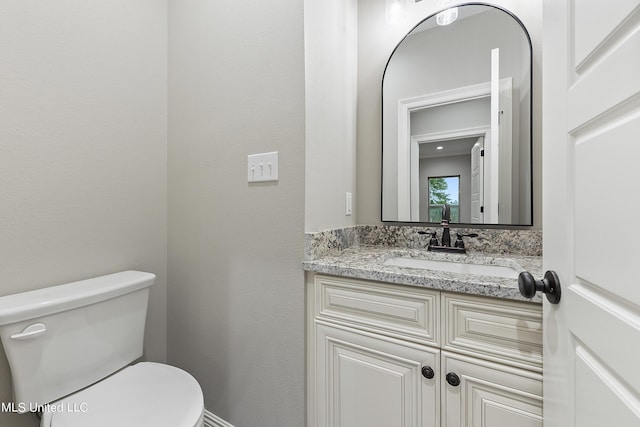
(444, 245)
(446, 217)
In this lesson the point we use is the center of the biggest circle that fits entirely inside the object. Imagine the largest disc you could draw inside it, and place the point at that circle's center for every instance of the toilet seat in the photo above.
(145, 394)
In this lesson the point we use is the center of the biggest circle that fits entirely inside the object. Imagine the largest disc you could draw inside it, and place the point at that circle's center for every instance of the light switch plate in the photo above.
(348, 204)
(262, 167)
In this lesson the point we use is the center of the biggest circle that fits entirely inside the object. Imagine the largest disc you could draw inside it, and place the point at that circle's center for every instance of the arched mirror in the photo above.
(456, 121)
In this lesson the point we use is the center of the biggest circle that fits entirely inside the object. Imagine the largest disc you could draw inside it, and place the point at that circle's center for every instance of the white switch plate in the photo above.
(348, 204)
(262, 167)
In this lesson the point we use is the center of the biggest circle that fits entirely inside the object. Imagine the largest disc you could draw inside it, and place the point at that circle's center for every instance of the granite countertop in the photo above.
(367, 262)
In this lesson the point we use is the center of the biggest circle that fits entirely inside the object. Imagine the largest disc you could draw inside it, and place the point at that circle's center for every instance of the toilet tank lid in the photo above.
(55, 299)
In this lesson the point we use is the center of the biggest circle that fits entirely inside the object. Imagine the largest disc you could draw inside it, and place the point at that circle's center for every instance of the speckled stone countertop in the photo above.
(368, 262)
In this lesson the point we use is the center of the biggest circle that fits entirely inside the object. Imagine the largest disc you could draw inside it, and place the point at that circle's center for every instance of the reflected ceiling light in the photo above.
(439, 147)
(446, 17)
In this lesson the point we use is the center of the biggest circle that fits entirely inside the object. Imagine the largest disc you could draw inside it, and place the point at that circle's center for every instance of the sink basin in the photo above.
(454, 267)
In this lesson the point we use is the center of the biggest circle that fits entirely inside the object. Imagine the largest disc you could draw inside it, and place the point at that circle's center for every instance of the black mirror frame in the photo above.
(531, 97)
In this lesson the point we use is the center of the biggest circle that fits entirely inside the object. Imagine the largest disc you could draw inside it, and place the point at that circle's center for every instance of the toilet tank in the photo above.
(63, 338)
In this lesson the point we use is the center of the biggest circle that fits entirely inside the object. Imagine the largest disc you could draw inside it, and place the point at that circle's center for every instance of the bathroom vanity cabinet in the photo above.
(382, 355)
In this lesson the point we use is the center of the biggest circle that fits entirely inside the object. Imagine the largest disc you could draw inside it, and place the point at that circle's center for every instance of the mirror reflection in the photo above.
(443, 191)
(456, 111)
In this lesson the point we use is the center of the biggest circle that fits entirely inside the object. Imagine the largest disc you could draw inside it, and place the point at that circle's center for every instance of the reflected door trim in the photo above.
(405, 107)
(408, 162)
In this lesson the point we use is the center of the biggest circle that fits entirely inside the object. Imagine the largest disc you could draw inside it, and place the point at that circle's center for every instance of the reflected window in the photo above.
(444, 190)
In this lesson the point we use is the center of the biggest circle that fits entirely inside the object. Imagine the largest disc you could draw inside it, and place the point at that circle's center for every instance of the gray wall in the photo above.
(330, 33)
(236, 294)
(376, 41)
(82, 150)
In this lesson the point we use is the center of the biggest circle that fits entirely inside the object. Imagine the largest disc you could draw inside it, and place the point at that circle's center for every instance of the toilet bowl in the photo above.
(71, 347)
(144, 394)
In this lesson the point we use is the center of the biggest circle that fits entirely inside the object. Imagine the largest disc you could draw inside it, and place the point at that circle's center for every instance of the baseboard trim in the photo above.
(212, 420)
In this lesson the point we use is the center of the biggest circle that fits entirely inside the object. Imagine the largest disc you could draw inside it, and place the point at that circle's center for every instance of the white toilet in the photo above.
(70, 348)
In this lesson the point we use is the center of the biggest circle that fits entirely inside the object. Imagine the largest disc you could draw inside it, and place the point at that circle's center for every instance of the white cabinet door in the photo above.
(591, 115)
(365, 380)
(489, 394)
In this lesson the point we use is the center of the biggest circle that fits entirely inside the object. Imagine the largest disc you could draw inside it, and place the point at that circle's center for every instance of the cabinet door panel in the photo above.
(365, 380)
(490, 395)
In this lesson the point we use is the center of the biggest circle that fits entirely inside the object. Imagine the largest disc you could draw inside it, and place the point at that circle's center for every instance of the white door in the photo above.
(591, 123)
(477, 182)
(492, 146)
(507, 168)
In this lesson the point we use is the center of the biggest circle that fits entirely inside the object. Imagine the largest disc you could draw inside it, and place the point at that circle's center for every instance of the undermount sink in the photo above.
(454, 267)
